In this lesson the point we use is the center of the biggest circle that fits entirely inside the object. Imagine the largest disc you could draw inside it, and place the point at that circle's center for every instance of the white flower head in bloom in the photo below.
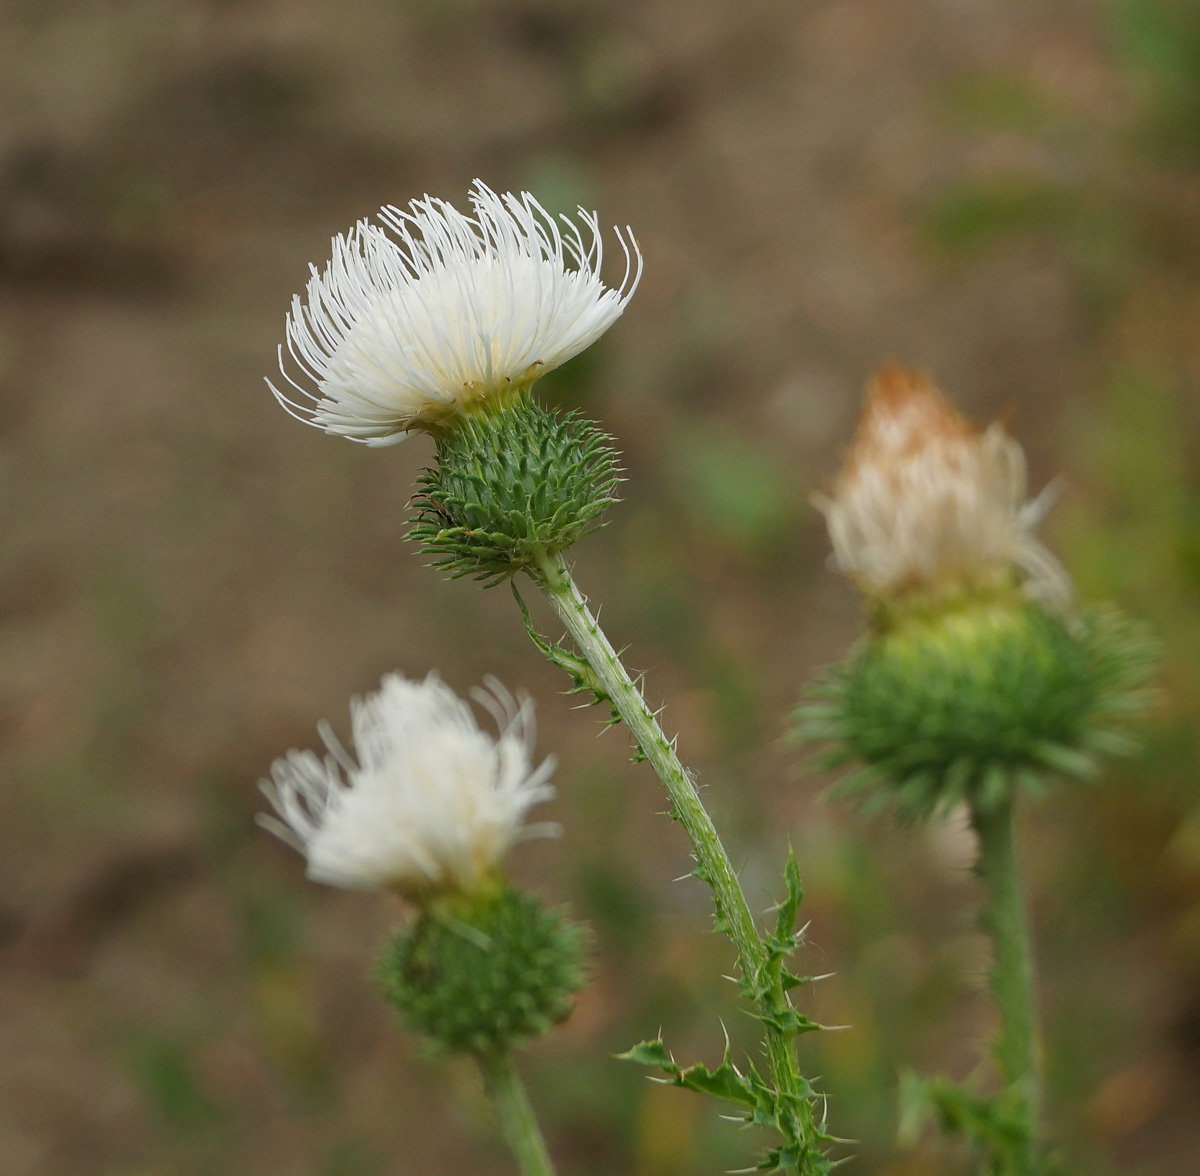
(432, 804)
(925, 500)
(411, 323)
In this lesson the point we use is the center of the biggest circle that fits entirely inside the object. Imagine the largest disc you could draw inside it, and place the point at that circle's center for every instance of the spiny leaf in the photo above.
(650, 1053)
(724, 1082)
(785, 921)
(582, 675)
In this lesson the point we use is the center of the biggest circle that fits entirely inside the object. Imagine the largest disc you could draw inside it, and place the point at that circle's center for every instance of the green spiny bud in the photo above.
(972, 698)
(513, 482)
(482, 973)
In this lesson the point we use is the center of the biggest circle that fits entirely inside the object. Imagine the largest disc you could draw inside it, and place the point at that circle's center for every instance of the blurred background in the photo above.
(1005, 192)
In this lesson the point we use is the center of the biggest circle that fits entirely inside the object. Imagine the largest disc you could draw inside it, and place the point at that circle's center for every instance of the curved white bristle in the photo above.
(428, 801)
(409, 323)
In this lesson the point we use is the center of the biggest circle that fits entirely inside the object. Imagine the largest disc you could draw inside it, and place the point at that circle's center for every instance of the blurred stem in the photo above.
(1004, 919)
(515, 1113)
(732, 908)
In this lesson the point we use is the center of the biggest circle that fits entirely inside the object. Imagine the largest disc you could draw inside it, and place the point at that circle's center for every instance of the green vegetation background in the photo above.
(1005, 193)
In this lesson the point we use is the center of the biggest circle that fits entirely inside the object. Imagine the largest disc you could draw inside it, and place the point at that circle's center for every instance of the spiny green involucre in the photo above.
(970, 702)
(485, 973)
(510, 484)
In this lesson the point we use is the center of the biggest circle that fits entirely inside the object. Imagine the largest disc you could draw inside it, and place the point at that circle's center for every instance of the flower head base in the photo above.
(977, 701)
(511, 486)
(412, 324)
(433, 803)
(482, 973)
(927, 503)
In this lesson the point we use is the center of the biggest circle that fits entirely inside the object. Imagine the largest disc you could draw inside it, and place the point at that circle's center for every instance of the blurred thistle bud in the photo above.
(442, 322)
(433, 803)
(974, 679)
(485, 971)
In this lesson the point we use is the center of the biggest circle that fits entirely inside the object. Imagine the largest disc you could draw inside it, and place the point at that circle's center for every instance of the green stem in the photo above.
(732, 908)
(516, 1116)
(1004, 919)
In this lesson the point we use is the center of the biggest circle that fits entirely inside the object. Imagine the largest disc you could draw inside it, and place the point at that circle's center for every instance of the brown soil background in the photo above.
(1003, 193)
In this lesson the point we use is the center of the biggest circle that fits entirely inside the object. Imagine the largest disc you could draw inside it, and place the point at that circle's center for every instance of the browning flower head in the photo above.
(431, 805)
(927, 502)
(414, 323)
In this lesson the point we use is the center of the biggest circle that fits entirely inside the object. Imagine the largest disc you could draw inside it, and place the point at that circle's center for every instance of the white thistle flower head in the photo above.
(927, 502)
(436, 312)
(432, 803)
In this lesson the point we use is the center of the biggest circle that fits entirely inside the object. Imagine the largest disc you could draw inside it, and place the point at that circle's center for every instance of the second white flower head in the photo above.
(433, 803)
(411, 323)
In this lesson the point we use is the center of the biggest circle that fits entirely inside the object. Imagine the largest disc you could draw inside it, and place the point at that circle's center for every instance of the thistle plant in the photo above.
(428, 810)
(441, 322)
(976, 681)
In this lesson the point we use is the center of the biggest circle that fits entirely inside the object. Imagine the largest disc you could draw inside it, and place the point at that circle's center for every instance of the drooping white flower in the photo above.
(925, 500)
(433, 803)
(410, 323)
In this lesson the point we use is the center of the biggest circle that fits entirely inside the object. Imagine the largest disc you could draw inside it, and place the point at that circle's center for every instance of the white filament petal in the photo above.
(432, 802)
(410, 323)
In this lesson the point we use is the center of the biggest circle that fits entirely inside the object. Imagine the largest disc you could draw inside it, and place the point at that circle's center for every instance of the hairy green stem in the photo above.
(1004, 919)
(516, 1116)
(589, 638)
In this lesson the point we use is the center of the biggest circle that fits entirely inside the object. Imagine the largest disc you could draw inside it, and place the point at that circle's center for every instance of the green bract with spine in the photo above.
(975, 699)
(511, 480)
(480, 974)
